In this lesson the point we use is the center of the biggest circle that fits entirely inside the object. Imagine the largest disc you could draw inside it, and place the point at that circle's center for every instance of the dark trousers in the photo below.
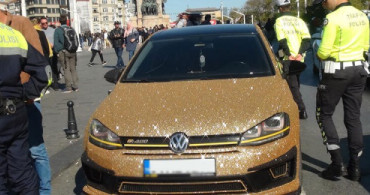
(93, 51)
(54, 70)
(347, 84)
(294, 85)
(15, 160)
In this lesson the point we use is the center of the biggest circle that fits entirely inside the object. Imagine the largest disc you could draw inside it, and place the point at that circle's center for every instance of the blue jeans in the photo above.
(119, 51)
(37, 147)
(130, 54)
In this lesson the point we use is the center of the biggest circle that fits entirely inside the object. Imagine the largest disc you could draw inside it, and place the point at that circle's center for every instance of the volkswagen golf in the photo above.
(201, 109)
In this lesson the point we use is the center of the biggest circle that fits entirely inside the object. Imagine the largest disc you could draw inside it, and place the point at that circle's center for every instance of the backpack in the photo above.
(70, 39)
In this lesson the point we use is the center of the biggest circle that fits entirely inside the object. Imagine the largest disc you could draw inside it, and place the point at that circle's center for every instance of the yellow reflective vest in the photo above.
(294, 30)
(12, 42)
(17, 55)
(345, 36)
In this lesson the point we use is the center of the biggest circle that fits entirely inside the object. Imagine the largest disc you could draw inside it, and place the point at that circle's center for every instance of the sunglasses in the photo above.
(44, 23)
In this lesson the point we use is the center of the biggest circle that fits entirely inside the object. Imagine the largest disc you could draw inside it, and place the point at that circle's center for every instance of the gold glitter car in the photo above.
(199, 109)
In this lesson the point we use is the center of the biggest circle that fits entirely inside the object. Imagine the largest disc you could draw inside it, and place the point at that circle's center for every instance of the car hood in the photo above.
(204, 107)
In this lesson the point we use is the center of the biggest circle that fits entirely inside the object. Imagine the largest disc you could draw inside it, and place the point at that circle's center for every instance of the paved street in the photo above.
(64, 154)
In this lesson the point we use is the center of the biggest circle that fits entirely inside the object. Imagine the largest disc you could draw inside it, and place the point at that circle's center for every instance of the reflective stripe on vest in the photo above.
(12, 42)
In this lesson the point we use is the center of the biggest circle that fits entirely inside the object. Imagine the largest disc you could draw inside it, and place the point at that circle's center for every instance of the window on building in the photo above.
(48, 2)
(105, 18)
(63, 2)
(95, 10)
(104, 1)
(95, 19)
(105, 9)
(94, 1)
(62, 11)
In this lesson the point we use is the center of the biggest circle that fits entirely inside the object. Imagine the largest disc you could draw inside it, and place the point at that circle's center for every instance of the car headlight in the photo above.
(103, 137)
(270, 129)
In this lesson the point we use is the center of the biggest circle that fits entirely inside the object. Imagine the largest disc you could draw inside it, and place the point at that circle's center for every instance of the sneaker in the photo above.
(76, 89)
(89, 64)
(67, 91)
(104, 63)
(47, 92)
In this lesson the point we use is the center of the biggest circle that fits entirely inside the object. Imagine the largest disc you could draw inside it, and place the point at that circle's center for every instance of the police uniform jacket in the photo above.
(346, 35)
(24, 25)
(17, 55)
(292, 34)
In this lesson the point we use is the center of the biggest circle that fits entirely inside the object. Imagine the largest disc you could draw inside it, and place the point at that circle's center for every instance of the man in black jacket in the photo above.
(116, 36)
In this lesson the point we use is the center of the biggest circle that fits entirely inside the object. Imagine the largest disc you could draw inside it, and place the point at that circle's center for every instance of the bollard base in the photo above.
(71, 134)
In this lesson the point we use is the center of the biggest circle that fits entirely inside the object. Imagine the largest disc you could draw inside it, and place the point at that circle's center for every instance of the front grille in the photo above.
(205, 141)
(235, 186)
(266, 176)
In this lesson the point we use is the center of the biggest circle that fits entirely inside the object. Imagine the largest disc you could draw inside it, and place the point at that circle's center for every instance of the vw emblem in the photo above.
(179, 142)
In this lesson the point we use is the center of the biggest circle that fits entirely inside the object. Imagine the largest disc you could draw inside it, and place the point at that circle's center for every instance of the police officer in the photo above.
(17, 55)
(345, 40)
(294, 40)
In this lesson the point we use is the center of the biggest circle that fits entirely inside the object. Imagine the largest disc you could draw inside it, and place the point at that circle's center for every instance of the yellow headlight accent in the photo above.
(105, 142)
(266, 136)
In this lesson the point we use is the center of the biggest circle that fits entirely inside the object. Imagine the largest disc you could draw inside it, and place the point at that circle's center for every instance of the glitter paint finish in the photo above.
(197, 108)
(191, 107)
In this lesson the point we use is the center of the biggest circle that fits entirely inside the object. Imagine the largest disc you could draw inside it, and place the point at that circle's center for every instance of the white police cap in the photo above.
(282, 2)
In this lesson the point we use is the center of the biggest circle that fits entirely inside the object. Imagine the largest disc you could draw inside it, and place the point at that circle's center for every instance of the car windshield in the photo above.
(201, 57)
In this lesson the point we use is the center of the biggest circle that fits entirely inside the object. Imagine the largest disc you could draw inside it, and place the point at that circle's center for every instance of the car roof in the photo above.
(205, 30)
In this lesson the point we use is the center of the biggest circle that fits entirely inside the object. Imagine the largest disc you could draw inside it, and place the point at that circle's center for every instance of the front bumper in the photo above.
(278, 175)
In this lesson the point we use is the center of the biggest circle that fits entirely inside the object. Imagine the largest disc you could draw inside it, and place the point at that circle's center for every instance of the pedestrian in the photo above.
(16, 167)
(207, 20)
(53, 60)
(67, 56)
(35, 139)
(182, 21)
(345, 41)
(116, 36)
(132, 38)
(97, 47)
(106, 41)
(294, 40)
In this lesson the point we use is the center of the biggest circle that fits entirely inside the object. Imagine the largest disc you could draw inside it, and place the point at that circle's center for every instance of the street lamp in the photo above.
(240, 14)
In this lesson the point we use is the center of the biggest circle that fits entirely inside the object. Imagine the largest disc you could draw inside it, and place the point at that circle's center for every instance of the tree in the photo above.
(260, 9)
(264, 9)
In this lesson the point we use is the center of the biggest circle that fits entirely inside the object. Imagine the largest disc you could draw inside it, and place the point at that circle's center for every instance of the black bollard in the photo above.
(71, 132)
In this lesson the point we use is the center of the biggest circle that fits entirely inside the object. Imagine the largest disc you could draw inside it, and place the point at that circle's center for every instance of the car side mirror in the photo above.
(292, 67)
(113, 75)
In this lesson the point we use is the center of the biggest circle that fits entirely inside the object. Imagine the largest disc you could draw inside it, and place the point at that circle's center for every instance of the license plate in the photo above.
(191, 167)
